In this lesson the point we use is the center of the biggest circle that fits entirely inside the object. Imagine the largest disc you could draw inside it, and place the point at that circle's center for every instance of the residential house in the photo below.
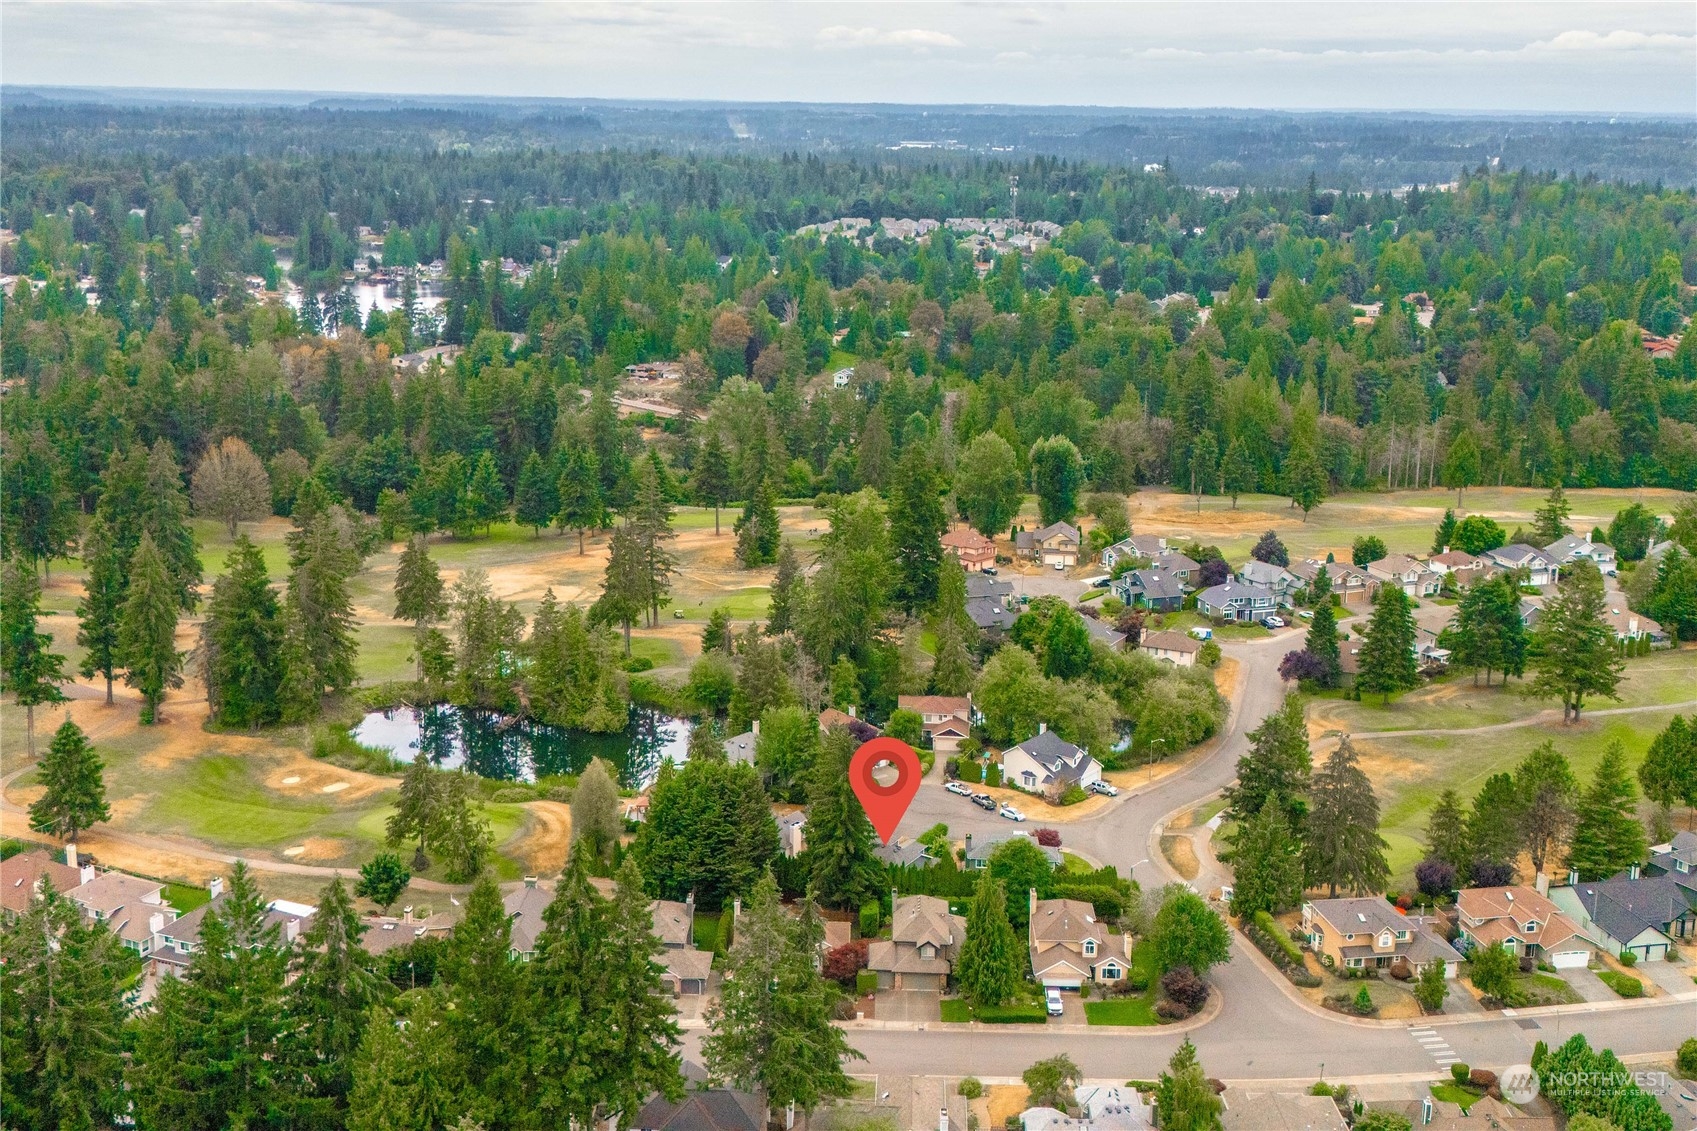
(1099, 629)
(980, 849)
(989, 602)
(1252, 1110)
(524, 906)
(1370, 934)
(134, 909)
(924, 941)
(1055, 544)
(904, 852)
(739, 748)
(1659, 347)
(22, 876)
(1629, 625)
(861, 730)
(1276, 579)
(947, 718)
(1178, 648)
(1676, 858)
(1100, 1108)
(792, 831)
(1146, 546)
(1235, 601)
(1572, 547)
(1069, 947)
(1483, 1114)
(970, 548)
(841, 378)
(706, 1109)
(384, 933)
(1406, 573)
(1046, 763)
(1351, 583)
(1523, 922)
(1185, 569)
(1540, 569)
(1531, 610)
(1149, 588)
(1647, 915)
(685, 969)
(1464, 567)
(177, 939)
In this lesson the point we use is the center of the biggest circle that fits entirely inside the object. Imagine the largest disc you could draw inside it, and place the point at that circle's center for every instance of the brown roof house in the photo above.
(133, 908)
(1406, 573)
(970, 548)
(686, 968)
(947, 718)
(1055, 544)
(1172, 646)
(21, 878)
(1521, 921)
(920, 952)
(1370, 934)
(1069, 947)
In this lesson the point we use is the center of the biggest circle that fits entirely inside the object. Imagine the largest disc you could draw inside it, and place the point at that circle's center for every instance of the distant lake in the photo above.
(497, 746)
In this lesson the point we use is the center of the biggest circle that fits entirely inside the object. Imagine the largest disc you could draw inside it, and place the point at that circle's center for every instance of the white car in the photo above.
(1104, 788)
(959, 787)
(1306, 614)
(1060, 566)
(1011, 813)
(1274, 622)
(1052, 1002)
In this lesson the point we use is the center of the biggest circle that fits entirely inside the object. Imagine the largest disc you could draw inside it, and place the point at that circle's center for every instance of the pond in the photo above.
(498, 746)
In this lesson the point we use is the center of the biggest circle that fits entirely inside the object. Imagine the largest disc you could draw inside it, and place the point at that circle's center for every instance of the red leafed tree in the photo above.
(842, 963)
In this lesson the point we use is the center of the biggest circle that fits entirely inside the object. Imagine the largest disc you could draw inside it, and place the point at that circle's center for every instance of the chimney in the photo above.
(1573, 877)
(1446, 549)
(894, 895)
(291, 930)
(1542, 884)
(851, 712)
(1031, 894)
(736, 912)
(1042, 728)
(156, 922)
(1632, 872)
(756, 727)
(530, 881)
(70, 856)
(215, 887)
(968, 844)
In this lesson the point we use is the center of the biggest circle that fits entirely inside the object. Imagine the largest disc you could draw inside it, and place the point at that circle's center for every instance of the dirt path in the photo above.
(546, 838)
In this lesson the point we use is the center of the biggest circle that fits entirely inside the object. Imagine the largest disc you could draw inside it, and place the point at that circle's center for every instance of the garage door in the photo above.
(1569, 959)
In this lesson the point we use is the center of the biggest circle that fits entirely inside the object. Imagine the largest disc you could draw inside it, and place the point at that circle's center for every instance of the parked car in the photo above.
(1059, 566)
(984, 801)
(1306, 614)
(1097, 582)
(1052, 1000)
(1274, 622)
(1011, 813)
(1104, 789)
(959, 787)
(991, 570)
(1202, 633)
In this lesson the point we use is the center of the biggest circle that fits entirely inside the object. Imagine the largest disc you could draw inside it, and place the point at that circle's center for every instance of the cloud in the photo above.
(1617, 40)
(913, 39)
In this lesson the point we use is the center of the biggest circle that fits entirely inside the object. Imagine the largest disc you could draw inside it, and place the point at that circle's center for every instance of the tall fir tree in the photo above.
(489, 995)
(643, 1060)
(69, 986)
(843, 871)
(419, 594)
(1446, 832)
(713, 475)
(1184, 1097)
(1342, 848)
(1387, 646)
(1444, 537)
(1549, 522)
(241, 642)
(1545, 793)
(1573, 650)
(28, 669)
(1668, 773)
(583, 505)
(651, 522)
(1278, 764)
(787, 588)
(409, 1073)
(758, 531)
(1267, 872)
(1608, 836)
(318, 594)
(104, 585)
(147, 631)
(38, 515)
(74, 779)
(570, 1017)
(917, 522)
(1322, 640)
(991, 965)
(331, 993)
(537, 498)
(1487, 633)
(625, 585)
(166, 518)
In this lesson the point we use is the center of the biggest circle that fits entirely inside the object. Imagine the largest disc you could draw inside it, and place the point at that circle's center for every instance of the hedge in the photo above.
(1272, 941)
(1276, 935)
(1622, 984)
(1016, 1013)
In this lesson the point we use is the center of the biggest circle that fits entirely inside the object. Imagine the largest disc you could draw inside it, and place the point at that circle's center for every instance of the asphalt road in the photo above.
(1259, 1032)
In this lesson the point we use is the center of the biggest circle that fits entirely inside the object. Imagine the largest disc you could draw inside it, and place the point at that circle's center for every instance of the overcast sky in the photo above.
(1376, 54)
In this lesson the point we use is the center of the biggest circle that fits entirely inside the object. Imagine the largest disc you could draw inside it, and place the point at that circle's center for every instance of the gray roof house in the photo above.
(1572, 547)
(524, 906)
(1178, 565)
(903, 852)
(979, 849)
(686, 969)
(1276, 579)
(1055, 544)
(1101, 630)
(709, 1109)
(1541, 569)
(1676, 858)
(739, 748)
(1349, 582)
(989, 602)
(1237, 602)
(1643, 914)
(1137, 546)
(1247, 1110)
(1047, 763)
(1151, 588)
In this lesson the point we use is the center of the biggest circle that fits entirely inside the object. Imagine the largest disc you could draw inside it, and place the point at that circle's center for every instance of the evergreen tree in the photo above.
(207, 1057)
(843, 871)
(1277, 765)
(241, 642)
(537, 499)
(1493, 840)
(917, 523)
(771, 1029)
(1266, 863)
(30, 672)
(1322, 639)
(165, 516)
(1444, 537)
(625, 584)
(1269, 549)
(409, 1074)
(1387, 646)
(651, 522)
(1573, 648)
(570, 677)
(1545, 791)
(992, 960)
(104, 587)
(643, 1060)
(319, 596)
(1342, 847)
(299, 692)
(1549, 522)
(415, 808)
(788, 586)
(582, 503)
(489, 993)
(709, 830)
(73, 777)
(326, 1007)
(1238, 471)
(713, 475)
(418, 594)
(758, 531)
(38, 515)
(1305, 479)
(952, 673)
(485, 495)
(1184, 1098)
(1607, 836)
(596, 821)
(147, 631)
(69, 981)
(1668, 773)
(1446, 832)
(1204, 465)
(1487, 633)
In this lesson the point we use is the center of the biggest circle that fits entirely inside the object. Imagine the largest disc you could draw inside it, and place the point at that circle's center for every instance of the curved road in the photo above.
(1263, 1030)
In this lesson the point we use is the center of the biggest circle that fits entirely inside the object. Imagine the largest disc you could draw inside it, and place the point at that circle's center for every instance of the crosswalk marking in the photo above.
(1435, 1046)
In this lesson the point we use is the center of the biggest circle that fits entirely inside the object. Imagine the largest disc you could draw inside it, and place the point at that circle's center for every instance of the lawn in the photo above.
(215, 799)
(1185, 621)
(747, 603)
(186, 897)
(1543, 989)
(1623, 984)
(1135, 1009)
(1027, 1010)
(1455, 1094)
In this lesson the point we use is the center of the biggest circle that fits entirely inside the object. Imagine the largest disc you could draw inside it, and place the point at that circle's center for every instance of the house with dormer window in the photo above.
(1069, 946)
(924, 941)
(1522, 922)
(1370, 934)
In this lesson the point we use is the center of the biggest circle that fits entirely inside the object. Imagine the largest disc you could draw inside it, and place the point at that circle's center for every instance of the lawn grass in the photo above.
(1543, 989)
(186, 897)
(1455, 1094)
(955, 1010)
(1623, 984)
(216, 800)
(1022, 1010)
(1138, 1010)
(1190, 618)
(1072, 862)
(747, 603)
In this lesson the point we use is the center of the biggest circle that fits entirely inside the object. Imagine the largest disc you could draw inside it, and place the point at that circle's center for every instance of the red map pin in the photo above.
(885, 804)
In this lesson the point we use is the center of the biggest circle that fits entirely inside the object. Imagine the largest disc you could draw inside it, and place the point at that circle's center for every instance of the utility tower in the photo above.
(1013, 194)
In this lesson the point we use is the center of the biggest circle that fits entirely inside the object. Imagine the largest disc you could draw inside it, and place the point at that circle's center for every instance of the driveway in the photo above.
(909, 1005)
(1587, 985)
(1672, 977)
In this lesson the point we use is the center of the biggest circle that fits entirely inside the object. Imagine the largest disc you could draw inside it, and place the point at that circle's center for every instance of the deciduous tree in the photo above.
(231, 484)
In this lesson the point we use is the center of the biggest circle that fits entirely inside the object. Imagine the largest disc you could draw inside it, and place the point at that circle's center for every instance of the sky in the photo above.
(1369, 54)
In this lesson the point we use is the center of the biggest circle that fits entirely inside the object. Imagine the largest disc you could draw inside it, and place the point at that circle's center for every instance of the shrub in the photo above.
(1405, 902)
(1049, 838)
(970, 1087)
(1209, 656)
(512, 795)
(1482, 1078)
(1622, 984)
(1180, 984)
(870, 916)
(843, 963)
(1168, 1010)
(1628, 958)
(1687, 1062)
(1460, 1073)
(1073, 795)
(637, 664)
(866, 982)
(1275, 943)
(1364, 1002)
